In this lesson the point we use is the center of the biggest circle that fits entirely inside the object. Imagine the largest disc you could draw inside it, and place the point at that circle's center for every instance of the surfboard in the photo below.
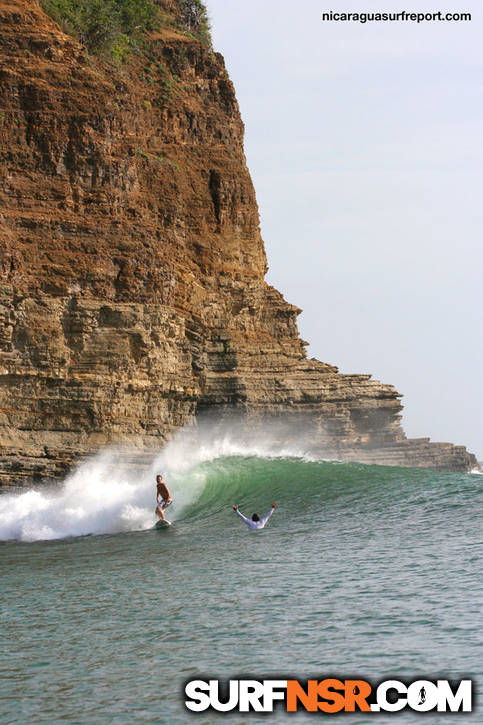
(162, 524)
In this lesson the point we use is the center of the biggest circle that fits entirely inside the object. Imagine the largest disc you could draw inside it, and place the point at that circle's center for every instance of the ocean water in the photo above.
(362, 570)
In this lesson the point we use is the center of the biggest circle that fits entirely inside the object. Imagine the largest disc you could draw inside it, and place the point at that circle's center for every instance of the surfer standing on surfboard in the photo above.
(255, 522)
(163, 497)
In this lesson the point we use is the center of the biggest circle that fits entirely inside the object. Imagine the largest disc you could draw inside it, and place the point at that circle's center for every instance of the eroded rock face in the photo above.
(132, 267)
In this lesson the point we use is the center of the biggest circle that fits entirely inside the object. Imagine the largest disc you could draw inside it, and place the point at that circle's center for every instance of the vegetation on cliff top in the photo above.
(114, 28)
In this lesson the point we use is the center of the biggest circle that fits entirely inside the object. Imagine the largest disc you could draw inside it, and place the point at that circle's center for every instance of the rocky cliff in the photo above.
(132, 268)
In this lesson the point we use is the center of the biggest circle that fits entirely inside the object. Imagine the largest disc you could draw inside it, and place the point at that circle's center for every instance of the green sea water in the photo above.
(362, 570)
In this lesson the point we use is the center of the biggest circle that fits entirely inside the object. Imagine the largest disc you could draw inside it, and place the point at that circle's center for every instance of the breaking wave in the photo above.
(106, 495)
(114, 491)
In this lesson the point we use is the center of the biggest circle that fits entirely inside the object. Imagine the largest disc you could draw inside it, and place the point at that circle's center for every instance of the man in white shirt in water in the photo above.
(256, 522)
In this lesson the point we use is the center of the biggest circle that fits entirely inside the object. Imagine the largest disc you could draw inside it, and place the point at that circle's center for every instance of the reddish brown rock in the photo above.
(132, 267)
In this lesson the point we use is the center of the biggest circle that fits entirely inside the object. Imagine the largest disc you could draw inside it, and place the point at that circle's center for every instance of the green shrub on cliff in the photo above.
(115, 27)
(112, 27)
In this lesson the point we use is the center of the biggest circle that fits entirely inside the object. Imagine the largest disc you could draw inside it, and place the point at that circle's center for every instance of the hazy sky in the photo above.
(365, 146)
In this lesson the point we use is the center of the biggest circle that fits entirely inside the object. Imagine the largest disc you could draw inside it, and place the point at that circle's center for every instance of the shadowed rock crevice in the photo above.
(215, 185)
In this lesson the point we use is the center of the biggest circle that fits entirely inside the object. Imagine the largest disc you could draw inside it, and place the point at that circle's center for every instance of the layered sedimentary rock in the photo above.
(132, 268)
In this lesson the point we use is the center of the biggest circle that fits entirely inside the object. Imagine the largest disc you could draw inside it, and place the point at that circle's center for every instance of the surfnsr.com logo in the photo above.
(330, 695)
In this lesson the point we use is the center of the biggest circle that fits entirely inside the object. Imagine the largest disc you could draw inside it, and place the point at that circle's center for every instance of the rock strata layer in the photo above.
(132, 268)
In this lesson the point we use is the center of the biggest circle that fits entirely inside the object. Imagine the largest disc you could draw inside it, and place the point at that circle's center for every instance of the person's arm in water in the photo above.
(267, 515)
(244, 518)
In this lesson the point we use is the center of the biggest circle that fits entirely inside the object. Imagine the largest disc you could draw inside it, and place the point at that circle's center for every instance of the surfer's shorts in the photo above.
(165, 503)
